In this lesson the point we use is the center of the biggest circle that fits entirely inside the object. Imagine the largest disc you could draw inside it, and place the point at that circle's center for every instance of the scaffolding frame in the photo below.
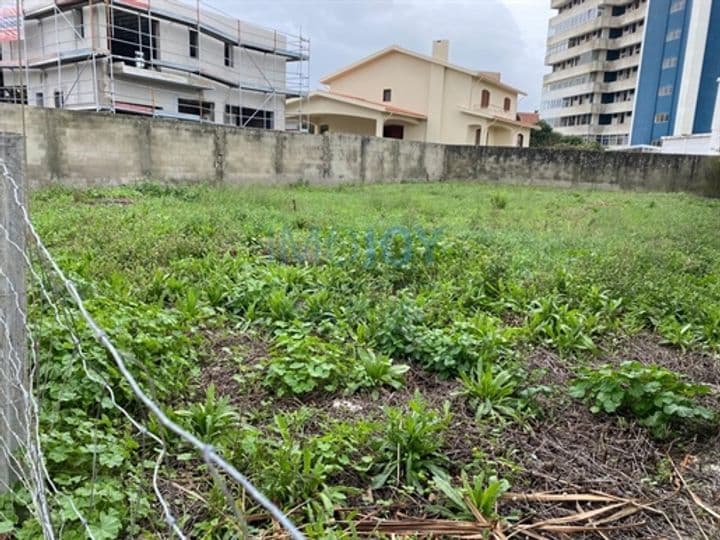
(267, 62)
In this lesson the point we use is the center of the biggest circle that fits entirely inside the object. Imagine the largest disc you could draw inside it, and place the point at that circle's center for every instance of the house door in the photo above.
(478, 137)
(394, 132)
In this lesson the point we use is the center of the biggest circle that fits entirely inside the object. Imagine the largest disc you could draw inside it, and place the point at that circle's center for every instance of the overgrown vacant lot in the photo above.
(378, 359)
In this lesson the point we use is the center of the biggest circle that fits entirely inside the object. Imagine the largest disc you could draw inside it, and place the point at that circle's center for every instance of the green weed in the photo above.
(658, 398)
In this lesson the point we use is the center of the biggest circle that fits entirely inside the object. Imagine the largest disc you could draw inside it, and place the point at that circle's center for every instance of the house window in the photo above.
(387, 94)
(393, 132)
(507, 104)
(257, 118)
(229, 55)
(665, 90)
(661, 118)
(39, 99)
(520, 140)
(478, 137)
(193, 36)
(204, 110)
(324, 128)
(485, 99)
(59, 99)
(232, 115)
(669, 63)
(133, 35)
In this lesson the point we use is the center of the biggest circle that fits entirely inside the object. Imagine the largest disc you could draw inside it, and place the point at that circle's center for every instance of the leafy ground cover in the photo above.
(390, 359)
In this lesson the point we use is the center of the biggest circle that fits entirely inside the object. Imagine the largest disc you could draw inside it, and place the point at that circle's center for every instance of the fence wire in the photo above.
(30, 484)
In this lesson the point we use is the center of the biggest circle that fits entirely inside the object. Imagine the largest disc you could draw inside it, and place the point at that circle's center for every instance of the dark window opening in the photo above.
(193, 37)
(134, 38)
(12, 94)
(387, 94)
(610, 76)
(605, 119)
(478, 137)
(79, 22)
(39, 99)
(520, 140)
(324, 128)
(229, 55)
(485, 99)
(394, 132)
(507, 104)
(59, 99)
(257, 118)
(204, 110)
(249, 117)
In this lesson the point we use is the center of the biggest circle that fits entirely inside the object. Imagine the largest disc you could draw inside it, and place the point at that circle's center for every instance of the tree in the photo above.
(546, 137)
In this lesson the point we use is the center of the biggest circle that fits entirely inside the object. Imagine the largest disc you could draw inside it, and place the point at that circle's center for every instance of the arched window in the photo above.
(485, 99)
(507, 104)
(520, 140)
(478, 137)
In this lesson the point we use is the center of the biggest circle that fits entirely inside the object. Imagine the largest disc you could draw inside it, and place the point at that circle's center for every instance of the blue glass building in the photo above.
(678, 72)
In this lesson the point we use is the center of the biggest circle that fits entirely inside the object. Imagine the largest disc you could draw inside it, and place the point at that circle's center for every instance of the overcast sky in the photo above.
(491, 35)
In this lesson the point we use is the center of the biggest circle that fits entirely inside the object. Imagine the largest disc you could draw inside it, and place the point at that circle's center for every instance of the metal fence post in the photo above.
(13, 406)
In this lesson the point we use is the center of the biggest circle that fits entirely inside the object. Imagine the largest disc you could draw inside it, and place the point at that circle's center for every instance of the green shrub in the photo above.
(214, 420)
(658, 398)
(301, 363)
(496, 392)
(479, 496)
(561, 327)
(498, 202)
(408, 453)
(373, 371)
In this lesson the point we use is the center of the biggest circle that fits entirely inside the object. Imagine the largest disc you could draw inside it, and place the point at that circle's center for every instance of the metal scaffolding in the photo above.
(136, 56)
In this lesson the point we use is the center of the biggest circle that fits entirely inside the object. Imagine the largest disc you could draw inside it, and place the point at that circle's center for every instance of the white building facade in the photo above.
(594, 51)
(160, 58)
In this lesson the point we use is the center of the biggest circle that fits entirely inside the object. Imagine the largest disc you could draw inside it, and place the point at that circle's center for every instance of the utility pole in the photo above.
(13, 303)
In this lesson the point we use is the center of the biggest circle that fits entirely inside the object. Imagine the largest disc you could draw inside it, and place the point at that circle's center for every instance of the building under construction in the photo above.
(159, 58)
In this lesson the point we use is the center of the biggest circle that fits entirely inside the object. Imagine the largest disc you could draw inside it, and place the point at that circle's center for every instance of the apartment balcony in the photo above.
(611, 129)
(587, 88)
(595, 129)
(574, 110)
(625, 41)
(615, 107)
(622, 63)
(577, 131)
(629, 17)
(620, 85)
(604, 21)
(592, 45)
(574, 71)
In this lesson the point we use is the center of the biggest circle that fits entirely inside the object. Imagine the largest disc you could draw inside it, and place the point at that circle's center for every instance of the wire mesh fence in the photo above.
(81, 422)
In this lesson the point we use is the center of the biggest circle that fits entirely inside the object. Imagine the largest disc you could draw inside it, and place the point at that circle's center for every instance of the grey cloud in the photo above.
(493, 35)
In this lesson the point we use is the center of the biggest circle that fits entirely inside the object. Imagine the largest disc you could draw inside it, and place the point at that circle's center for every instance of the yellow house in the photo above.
(397, 93)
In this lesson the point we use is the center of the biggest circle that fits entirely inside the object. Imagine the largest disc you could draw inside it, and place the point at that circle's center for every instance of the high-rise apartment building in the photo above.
(632, 71)
(594, 50)
(680, 65)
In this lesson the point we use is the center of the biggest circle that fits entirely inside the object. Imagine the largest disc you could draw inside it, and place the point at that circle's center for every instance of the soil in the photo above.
(564, 450)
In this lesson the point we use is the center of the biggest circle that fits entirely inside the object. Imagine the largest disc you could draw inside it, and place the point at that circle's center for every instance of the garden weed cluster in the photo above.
(329, 351)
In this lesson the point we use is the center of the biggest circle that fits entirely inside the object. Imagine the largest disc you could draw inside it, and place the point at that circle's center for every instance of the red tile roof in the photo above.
(528, 117)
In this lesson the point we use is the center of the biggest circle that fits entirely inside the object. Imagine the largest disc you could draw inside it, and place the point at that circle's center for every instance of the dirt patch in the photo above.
(227, 357)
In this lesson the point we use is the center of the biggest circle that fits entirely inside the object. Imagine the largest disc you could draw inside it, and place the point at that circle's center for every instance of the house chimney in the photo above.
(441, 49)
(715, 129)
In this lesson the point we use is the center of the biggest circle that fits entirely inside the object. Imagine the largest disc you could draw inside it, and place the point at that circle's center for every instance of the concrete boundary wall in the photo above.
(81, 149)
